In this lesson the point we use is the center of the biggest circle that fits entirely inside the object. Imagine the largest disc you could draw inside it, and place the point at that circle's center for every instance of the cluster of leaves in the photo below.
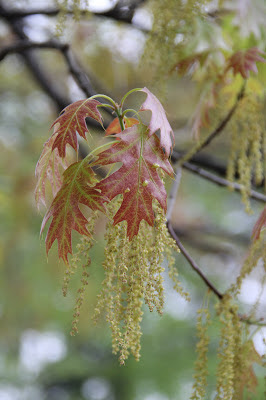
(142, 154)
(206, 44)
(241, 62)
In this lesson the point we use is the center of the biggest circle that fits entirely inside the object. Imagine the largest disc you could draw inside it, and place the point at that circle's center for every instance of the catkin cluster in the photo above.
(248, 145)
(257, 251)
(229, 348)
(133, 276)
(75, 7)
(173, 25)
(201, 368)
(236, 352)
(82, 254)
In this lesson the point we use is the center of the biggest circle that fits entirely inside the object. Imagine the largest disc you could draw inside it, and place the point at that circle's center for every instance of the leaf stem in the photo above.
(106, 105)
(99, 148)
(127, 94)
(133, 111)
(105, 97)
(120, 118)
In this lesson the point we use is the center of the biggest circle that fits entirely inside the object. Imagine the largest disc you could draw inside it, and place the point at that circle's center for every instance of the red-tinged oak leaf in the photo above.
(201, 117)
(65, 209)
(72, 121)
(158, 121)
(130, 121)
(115, 127)
(48, 169)
(245, 61)
(137, 179)
(189, 63)
(259, 225)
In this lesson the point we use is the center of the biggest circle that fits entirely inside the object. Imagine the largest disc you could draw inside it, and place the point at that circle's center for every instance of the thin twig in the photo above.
(222, 181)
(208, 161)
(217, 130)
(119, 12)
(202, 160)
(33, 64)
(76, 71)
(172, 232)
(197, 269)
(192, 262)
(173, 193)
(78, 74)
(23, 45)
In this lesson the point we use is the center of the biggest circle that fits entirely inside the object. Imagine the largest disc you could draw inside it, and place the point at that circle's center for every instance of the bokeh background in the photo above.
(39, 360)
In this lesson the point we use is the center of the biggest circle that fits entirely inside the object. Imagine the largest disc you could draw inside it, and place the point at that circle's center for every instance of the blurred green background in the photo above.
(38, 357)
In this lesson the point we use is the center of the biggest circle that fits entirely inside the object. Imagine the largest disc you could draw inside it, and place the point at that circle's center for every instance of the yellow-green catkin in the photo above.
(172, 24)
(201, 364)
(74, 6)
(228, 349)
(256, 252)
(236, 353)
(133, 276)
(80, 257)
(247, 145)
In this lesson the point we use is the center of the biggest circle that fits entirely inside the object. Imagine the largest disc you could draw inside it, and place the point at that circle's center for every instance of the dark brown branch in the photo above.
(120, 12)
(32, 63)
(197, 269)
(22, 45)
(222, 181)
(192, 262)
(78, 74)
(202, 160)
(216, 131)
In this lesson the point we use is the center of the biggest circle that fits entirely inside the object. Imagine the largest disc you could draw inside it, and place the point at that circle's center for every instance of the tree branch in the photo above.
(22, 45)
(192, 262)
(222, 181)
(172, 232)
(120, 12)
(197, 269)
(173, 193)
(216, 131)
(185, 253)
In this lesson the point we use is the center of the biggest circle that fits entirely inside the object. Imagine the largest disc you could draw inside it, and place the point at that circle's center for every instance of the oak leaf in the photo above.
(115, 127)
(259, 225)
(137, 179)
(190, 63)
(158, 121)
(64, 210)
(48, 170)
(72, 121)
(245, 61)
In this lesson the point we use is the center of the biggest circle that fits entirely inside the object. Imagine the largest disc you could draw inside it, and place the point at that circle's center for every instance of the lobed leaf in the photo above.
(137, 179)
(259, 225)
(115, 127)
(72, 121)
(158, 121)
(190, 63)
(245, 61)
(48, 169)
(65, 211)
